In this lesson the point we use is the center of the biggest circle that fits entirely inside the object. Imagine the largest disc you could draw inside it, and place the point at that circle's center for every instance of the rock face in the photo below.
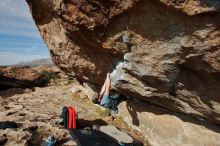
(20, 79)
(164, 128)
(166, 52)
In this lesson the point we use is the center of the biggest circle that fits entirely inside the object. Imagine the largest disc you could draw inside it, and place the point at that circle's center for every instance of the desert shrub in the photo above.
(70, 81)
(49, 75)
(46, 77)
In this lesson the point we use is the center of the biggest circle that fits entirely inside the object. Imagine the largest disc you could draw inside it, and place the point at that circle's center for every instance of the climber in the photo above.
(107, 99)
(103, 97)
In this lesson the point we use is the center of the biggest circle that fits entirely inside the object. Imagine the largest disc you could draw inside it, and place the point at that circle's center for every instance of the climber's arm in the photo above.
(107, 85)
(105, 88)
(102, 91)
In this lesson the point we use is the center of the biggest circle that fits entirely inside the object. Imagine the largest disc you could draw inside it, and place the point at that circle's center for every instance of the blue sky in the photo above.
(19, 37)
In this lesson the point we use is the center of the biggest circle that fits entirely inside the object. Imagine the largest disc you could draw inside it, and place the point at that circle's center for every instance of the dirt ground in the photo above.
(37, 112)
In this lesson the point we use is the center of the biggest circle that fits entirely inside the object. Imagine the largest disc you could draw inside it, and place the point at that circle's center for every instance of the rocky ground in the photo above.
(37, 113)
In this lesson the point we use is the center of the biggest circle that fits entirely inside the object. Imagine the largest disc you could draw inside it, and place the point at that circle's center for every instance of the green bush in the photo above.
(49, 75)
(46, 77)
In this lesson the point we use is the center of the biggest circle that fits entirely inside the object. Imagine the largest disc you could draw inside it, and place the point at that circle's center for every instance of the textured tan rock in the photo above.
(194, 7)
(21, 79)
(15, 137)
(163, 128)
(165, 52)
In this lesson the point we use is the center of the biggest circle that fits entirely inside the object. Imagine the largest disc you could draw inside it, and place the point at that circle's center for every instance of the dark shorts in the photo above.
(110, 102)
(105, 101)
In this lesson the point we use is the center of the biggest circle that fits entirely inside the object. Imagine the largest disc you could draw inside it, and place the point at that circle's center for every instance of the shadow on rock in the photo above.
(81, 123)
(8, 124)
(133, 113)
(135, 106)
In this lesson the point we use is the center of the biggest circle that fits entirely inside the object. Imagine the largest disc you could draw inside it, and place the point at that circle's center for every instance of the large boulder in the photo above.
(166, 52)
(19, 77)
(164, 128)
(22, 77)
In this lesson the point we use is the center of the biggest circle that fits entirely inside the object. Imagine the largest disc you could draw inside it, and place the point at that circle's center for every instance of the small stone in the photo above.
(70, 143)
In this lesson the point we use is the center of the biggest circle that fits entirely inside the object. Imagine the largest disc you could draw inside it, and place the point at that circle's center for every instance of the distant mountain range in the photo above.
(36, 62)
